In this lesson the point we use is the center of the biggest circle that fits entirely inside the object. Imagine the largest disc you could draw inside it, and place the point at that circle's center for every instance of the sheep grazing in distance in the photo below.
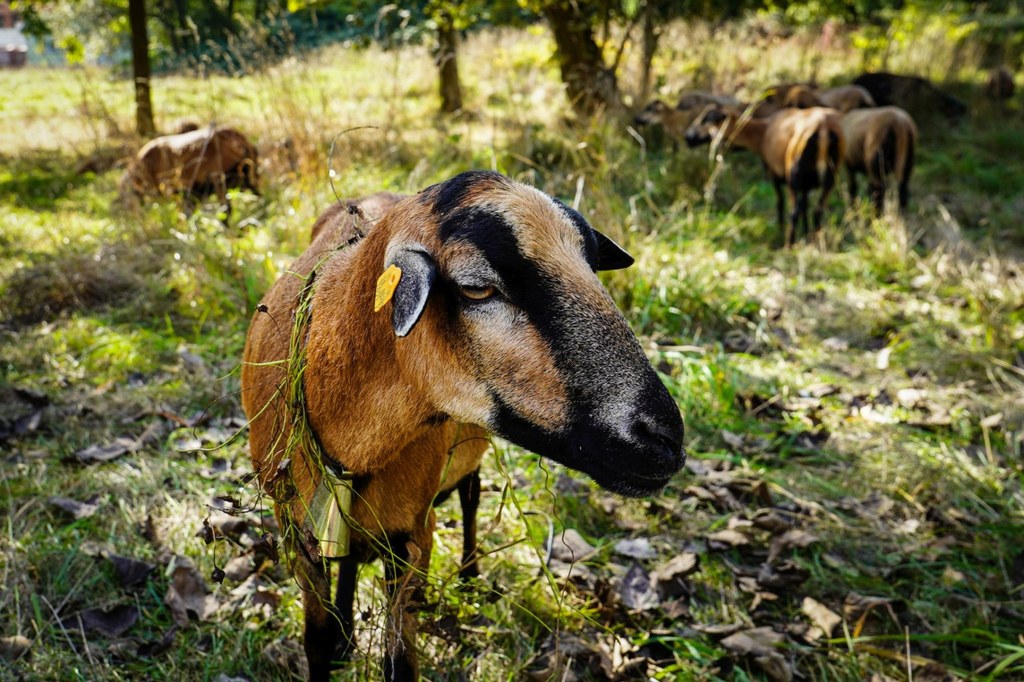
(910, 93)
(676, 120)
(801, 150)
(880, 143)
(802, 97)
(195, 164)
(845, 98)
(491, 318)
(1000, 84)
(780, 96)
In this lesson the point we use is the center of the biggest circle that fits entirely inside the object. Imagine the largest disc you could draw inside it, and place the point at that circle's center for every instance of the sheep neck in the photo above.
(351, 363)
(749, 134)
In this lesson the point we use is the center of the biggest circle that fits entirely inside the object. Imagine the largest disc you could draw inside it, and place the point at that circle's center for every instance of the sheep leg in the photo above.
(469, 500)
(344, 601)
(877, 189)
(904, 190)
(799, 214)
(322, 629)
(853, 184)
(403, 570)
(780, 209)
(827, 184)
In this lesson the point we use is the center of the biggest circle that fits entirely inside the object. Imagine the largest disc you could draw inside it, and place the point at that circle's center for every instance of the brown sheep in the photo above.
(776, 97)
(801, 149)
(1000, 84)
(802, 97)
(195, 164)
(880, 143)
(676, 120)
(846, 98)
(495, 320)
(911, 93)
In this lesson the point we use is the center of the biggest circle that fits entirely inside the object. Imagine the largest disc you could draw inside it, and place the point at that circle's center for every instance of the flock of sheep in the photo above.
(804, 135)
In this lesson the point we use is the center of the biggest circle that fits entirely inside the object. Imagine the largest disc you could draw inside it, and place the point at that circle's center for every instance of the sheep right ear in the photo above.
(410, 298)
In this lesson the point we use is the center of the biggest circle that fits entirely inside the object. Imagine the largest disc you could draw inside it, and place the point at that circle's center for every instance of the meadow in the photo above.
(852, 506)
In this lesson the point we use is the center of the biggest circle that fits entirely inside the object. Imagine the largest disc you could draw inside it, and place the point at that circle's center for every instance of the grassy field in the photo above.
(854, 406)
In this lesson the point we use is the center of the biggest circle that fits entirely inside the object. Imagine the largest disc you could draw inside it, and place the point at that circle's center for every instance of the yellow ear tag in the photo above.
(386, 285)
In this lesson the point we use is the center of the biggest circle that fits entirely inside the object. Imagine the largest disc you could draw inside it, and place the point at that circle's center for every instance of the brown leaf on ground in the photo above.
(130, 572)
(109, 451)
(635, 548)
(14, 647)
(792, 538)
(636, 591)
(569, 546)
(75, 509)
(669, 579)
(187, 593)
(107, 622)
(725, 539)
(718, 629)
(228, 525)
(825, 619)
(857, 607)
(783, 577)
(762, 646)
(238, 568)
(772, 520)
(578, 574)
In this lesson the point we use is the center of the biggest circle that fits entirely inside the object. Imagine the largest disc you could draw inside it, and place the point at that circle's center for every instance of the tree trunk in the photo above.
(591, 86)
(650, 44)
(447, 51)
(140, 68)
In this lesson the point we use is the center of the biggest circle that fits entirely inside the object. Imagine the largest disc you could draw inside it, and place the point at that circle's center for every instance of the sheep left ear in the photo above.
(410, 298)
(611, 256)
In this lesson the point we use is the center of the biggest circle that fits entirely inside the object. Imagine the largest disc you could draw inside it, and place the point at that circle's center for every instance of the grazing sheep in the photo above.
(1000, 84)
(880, 143)
(801, 149)
(491, 317)
(673, 120)
(846, 98)
(910, 93)
(195, 164)
(780, 96)
(802, 97)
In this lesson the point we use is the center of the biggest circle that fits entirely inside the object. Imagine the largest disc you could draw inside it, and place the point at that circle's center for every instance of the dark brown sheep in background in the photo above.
(1000, 86)
(496, 320)
(846, 98)
(195, 164)
(910, 93)
(801, 149)
(881, 144)
(676, 120)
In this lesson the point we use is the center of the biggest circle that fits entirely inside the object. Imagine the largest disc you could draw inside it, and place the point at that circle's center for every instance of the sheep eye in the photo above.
(477, 293)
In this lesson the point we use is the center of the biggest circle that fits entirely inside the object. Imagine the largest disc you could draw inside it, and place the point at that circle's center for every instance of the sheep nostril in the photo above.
(668, 437)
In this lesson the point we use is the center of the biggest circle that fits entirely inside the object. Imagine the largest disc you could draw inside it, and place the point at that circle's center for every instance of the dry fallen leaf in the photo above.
(669, 577)
(763, 646)
(823, 617)
(727, 538)
(107, 622)
(187, 593)
(75, 509)
(794, 537)
(636, 548)
(569, 546)
(130, 572)
(636, 591)
(108, 451)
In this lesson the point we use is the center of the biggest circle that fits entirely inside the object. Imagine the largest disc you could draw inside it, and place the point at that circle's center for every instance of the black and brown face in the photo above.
(518, 335)
(652, 114)
(706, 126)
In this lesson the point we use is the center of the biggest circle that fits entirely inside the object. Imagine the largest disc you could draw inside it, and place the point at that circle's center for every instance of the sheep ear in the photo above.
(410, 297)
(611, 256)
